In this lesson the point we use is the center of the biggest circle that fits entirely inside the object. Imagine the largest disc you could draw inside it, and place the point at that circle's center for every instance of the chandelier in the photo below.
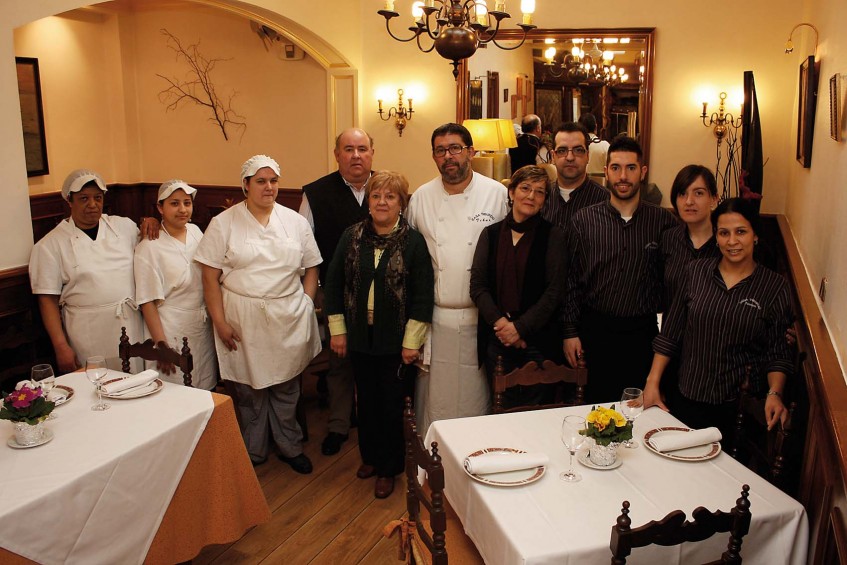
(457, 27)
(579, 66)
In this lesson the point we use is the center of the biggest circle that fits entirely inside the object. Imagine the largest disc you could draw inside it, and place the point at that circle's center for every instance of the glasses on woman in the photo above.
(578, 151)
(454, 149)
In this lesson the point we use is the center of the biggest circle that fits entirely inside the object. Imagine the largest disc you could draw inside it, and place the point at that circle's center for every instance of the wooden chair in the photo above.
(532, 374)
(415, 527)
(674, 529)
(767, 453)
(157, 352)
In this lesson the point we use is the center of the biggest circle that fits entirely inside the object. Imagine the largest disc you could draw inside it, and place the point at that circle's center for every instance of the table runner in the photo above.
(551, 521)
(98, 491)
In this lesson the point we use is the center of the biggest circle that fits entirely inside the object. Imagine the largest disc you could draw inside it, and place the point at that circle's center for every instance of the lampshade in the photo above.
(491, 134)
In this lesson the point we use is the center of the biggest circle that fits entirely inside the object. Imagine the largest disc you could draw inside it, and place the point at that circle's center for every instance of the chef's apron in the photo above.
(193, 323)
(265, 304)
(98, 299)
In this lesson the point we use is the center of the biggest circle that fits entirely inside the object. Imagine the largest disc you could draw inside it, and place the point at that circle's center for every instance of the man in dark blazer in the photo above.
(331, 204)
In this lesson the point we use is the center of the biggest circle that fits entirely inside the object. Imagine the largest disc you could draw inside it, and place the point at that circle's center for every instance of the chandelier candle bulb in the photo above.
(380, 105)
(389, 5)
(500, 7)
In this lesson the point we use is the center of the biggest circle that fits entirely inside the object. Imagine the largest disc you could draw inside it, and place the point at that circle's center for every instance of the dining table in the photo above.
(153, 479)
(539, 519)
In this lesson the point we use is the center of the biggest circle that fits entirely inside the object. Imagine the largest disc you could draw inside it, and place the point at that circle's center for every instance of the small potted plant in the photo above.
(607, 427)
(27, 408)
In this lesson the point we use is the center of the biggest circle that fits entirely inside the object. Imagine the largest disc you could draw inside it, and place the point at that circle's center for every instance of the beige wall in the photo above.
(817, 197)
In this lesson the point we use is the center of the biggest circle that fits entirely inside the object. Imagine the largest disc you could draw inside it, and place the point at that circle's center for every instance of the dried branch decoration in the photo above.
(198, 87)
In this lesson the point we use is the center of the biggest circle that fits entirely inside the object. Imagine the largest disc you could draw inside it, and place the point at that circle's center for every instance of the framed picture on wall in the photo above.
(32, 116)
(475, 97)
(806, 111)
(548, 106)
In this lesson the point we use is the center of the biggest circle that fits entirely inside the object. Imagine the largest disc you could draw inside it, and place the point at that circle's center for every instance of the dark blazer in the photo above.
(420, 294)
(538, 322)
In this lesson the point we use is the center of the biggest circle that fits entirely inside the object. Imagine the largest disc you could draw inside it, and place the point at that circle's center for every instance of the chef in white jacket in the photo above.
(82, 274)
(450, 211)
(260, 276)
(169, 287)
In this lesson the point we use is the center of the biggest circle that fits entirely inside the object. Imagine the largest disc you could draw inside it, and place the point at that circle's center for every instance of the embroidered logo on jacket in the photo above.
(752, 302)
(483, 217)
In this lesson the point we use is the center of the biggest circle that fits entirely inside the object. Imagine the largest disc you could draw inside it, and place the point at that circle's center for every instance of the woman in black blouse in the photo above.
(694, 194)
(730, 314)
(517, 283)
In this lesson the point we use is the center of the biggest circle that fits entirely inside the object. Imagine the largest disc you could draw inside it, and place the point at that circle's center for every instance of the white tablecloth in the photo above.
(98, 491)
(554, 522)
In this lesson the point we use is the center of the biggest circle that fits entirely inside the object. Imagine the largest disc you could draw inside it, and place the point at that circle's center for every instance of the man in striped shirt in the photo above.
(575, 189)
(614, 287)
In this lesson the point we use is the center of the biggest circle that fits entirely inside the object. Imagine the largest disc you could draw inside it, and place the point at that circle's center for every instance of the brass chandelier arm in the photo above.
(388, 14)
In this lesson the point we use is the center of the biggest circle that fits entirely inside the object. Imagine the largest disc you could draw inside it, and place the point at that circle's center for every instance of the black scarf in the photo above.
(524, 226)
(392, 244)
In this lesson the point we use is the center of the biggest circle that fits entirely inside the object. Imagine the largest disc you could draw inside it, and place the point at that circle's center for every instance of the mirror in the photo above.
(557, 86)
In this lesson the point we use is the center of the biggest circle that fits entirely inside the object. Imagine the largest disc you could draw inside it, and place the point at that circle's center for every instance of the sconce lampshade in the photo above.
(491, 134)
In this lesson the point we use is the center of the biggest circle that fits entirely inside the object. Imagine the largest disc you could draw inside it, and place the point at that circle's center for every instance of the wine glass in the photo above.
(95, 370)
(571, 426)
(46, 379)
(632, 405)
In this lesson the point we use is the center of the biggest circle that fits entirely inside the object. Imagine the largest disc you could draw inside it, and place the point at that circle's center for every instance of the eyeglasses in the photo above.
(454, 149)
(578, 151)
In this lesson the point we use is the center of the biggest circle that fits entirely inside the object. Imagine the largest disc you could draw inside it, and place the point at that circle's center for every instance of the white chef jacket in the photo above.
(166, 273)
(263, 296)
(455, 385)
(94, 281)
(596, 156)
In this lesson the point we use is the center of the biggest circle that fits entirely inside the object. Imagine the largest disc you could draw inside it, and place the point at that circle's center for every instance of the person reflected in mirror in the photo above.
(531, 149)
(597, 149)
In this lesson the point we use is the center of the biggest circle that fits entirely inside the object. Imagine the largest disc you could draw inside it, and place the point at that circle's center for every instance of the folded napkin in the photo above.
(57, 395)
(501, 462)
(141, 379)
(681, 440)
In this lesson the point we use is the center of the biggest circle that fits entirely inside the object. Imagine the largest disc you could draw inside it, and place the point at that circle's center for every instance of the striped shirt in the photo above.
(677, 253)
(614, 264)
(718, 332)
(559, 213)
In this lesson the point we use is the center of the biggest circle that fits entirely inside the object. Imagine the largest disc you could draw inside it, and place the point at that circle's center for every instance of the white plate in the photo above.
(509, 478)
(48, 435)
(152, 387)
(582, 457)
(696, 453)
(67, 392)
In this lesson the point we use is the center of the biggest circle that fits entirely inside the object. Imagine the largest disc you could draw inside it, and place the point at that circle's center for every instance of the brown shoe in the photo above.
(384, 487)
(366, 471)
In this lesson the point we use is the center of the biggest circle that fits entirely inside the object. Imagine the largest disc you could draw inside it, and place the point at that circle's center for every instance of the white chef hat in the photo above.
(79, 178)
(252, 165)
(170, 186)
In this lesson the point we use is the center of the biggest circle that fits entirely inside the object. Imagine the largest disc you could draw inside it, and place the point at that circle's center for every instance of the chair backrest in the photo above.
(767, 453)
(418, 456)
(157, 352)
(532, 374)
(674, 529)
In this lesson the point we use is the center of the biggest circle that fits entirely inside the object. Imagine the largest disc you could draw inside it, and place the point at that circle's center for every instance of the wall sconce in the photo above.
(789, 45)
(401, 114)
(721, 120)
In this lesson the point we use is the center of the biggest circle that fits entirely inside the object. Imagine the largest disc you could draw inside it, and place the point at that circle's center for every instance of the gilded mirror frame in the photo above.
(562, 34)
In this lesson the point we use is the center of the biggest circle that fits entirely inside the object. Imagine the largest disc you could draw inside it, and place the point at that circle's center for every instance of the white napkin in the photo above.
(501, 462)
(681, 440)
(142, 378)
(57, 395)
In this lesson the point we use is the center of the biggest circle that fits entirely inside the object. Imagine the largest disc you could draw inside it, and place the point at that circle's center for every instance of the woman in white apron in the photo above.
(260, 276)
(169, 289)
(82, 273)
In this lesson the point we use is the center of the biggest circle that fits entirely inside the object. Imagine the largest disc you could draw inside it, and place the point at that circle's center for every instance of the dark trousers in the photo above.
(381, 389)
(698, 415)
(618, 352)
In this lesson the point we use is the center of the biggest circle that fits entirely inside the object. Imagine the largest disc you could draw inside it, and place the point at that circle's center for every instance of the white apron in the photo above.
(264, 302)
(166, 274)
(98, 299)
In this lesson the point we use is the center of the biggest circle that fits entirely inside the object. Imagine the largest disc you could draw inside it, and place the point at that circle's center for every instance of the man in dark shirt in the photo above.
(530, 150)
(332, 204)
(614, 287)
(575, 189)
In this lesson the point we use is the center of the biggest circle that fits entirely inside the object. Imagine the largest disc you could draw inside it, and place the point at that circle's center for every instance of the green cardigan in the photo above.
(420, 292)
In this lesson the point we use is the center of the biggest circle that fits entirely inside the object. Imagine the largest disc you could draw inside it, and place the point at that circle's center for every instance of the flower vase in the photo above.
(28, 434)
(603, 455)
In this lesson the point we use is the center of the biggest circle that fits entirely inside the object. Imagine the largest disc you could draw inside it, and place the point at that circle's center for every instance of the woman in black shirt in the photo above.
(730, 314)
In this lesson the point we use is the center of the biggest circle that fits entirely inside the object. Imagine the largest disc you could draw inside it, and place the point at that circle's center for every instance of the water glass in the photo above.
(573, 440)
(96, 370)
(45, 378)
(632, 405)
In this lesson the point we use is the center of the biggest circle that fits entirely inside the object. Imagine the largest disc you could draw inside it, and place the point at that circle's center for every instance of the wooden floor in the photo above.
(329, 516)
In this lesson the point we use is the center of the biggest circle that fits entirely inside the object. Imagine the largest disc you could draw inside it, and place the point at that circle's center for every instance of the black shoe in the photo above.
(257, 462)
(332, 443)
(300, 463)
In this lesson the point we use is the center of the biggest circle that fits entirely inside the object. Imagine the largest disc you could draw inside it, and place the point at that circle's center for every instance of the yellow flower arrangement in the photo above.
(607, 425)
